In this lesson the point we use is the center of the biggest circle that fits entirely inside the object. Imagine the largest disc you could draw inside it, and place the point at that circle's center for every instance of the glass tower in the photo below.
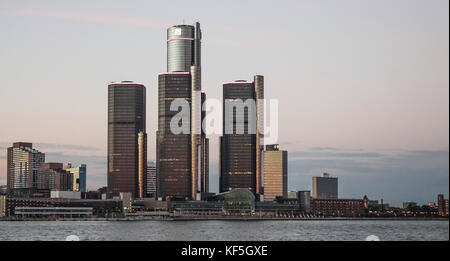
(126, 119)
(180, 172)
(241, 145)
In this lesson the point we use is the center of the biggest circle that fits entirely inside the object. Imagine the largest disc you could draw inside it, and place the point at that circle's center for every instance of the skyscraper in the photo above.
(275, 172)
(241, 145)
(126, 119)
(151, 180)
(325, 187)
(23, 165)
(179, 155)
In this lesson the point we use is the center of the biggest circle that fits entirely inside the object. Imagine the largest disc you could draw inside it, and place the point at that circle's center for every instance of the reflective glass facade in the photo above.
(173, 150)
(238, 151)
(126, 118)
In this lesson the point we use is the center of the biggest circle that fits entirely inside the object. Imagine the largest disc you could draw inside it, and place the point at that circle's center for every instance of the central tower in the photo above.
(180, 157)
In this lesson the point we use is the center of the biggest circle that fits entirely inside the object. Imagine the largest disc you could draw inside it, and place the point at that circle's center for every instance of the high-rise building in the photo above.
(275, 172)
(325, 187)
(151, 180)
(78, 175)
(241, 146)
(126, 119)
(52, 176)
(23, 165)
(180, 154)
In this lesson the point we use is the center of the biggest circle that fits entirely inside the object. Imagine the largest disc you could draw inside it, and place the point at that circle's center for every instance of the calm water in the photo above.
(225, 230)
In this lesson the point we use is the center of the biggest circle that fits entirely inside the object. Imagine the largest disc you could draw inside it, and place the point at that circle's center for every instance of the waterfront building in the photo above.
(338, 207)
(180, 160)
(65, 194)
(241, 145)
(151, 180)
(325, 187)
(442, 205)
(23, 163)
(304, 199)
(126, 119)
(3, 206)
(409, 205)
(275, 172)
(78, 175)
(3, 190)
(53, 177)
(100, 208)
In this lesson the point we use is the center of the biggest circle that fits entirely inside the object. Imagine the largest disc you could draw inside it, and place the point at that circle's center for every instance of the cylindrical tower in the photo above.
(180, 48)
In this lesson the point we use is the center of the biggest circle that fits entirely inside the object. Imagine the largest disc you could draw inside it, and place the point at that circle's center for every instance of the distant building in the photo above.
(275, 173)
(304, 199)
(35, 207)
(325, 187)
(78, 176)
(53, 177)
(65, 194)
(442, 205)
(3, 206)
(23, 163)
(3, 190)
(292, 194)
(409, 205)
(151, 180)
(338, 207)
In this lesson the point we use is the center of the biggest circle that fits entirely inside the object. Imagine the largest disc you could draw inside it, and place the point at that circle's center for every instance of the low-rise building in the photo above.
(338, 207)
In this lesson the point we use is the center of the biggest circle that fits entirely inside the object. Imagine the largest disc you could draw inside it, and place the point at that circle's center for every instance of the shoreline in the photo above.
(229, 218)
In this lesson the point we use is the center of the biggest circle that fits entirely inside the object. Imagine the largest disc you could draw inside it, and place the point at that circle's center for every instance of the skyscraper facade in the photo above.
(23, 163)
(275, 173)
(325, 187)
(151, 180)
(126, 119)
(241, 146)
(179, 154)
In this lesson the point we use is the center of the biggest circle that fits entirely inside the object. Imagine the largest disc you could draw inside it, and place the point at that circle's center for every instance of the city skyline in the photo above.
(319, 150)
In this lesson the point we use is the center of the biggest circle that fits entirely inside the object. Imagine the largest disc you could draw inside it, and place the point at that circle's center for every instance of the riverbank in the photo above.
(230, 218)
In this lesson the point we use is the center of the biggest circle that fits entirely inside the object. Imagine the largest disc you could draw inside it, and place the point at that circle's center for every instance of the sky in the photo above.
(363, 86)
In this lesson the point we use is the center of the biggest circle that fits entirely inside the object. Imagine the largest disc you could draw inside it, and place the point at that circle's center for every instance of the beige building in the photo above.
(275, 173)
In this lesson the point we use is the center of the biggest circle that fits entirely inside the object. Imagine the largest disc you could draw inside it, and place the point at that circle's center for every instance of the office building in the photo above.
(23, 163)
(151, 180)
(442, 205)
(78, 175)
(53, 177)
(275, 173)
(325, 187)
(241, 145)
(126, 119)
(180, 154)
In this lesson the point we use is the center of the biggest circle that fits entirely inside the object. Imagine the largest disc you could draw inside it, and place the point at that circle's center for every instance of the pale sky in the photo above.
(362, 85)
